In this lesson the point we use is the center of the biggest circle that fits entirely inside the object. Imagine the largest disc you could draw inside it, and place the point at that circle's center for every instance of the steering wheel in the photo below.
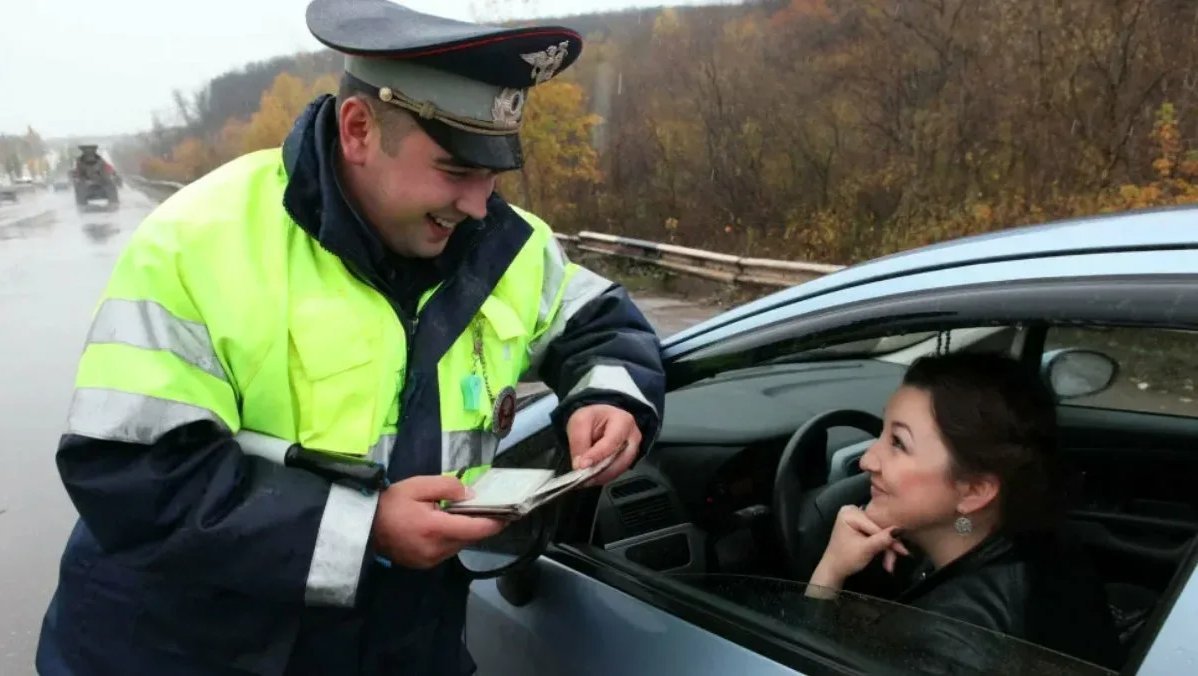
(804, 466)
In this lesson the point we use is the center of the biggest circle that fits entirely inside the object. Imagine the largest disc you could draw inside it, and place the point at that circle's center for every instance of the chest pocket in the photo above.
(335, 376)
(505, 342)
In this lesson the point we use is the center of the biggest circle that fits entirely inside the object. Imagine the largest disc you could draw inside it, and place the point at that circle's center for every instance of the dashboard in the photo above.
(714, 463)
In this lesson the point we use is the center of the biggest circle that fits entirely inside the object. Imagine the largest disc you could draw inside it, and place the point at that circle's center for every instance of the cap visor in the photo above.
(498, 153)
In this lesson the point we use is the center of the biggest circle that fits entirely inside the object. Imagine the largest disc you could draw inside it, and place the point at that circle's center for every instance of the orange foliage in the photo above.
(279, 106)
(838, 130)
(560, 164)
(806, 11)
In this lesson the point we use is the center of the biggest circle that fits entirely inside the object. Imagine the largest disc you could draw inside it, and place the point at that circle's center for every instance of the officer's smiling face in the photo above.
(404, 184)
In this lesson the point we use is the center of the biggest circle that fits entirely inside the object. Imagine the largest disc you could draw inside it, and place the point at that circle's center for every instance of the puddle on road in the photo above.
(26, 226)
(99, 233)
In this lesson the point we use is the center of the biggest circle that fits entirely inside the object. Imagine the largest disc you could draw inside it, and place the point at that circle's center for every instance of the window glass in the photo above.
(1156, 367)
(881, 635)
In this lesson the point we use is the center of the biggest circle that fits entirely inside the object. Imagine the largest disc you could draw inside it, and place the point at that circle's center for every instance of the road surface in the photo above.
(54, 261)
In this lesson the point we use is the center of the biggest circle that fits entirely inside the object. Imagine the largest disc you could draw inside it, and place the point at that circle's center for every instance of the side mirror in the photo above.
(1074, 372)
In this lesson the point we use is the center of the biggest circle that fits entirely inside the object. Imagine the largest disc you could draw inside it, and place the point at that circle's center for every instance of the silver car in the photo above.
(674, 567)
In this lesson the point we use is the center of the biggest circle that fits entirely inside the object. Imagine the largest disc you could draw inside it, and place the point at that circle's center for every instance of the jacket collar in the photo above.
(313, 196)
(995, 548)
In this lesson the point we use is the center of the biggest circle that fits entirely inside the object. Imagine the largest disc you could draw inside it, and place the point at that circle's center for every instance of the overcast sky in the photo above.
(101, 67)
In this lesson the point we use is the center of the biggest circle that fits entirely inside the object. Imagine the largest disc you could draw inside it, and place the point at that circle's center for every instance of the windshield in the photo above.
(885, 636)
(868, 347)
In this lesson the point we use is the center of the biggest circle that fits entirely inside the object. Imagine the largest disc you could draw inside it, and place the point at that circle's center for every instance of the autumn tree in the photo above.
(559, 173)
(195, 155)
(277, 110)
(829, 130)
(10, 156)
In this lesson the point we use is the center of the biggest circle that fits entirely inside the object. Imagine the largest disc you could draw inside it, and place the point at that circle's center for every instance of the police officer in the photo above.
(359, 298)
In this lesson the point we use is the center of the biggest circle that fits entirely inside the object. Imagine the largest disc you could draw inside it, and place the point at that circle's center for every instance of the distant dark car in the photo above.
(94, 178)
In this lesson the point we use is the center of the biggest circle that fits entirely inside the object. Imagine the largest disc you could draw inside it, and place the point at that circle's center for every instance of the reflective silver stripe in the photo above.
(380, 452)
(340, 547)
(467, 448)
(612, 378)
(582, 288)
(265, 446)
(556, 263)
(148, 325)
(135, 418)
(275, 449)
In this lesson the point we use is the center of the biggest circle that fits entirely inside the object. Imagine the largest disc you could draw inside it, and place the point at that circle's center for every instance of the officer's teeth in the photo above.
(442, 222)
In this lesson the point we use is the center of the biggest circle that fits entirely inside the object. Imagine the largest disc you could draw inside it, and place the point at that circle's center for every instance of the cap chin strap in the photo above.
(429, 111)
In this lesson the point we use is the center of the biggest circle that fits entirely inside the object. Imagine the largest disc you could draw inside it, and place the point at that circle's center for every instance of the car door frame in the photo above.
(946, 297)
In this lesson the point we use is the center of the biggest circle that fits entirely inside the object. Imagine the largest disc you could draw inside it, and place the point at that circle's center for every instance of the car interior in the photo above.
(756, 456)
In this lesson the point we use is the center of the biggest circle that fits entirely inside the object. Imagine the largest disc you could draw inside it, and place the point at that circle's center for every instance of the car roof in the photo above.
(1150, 229)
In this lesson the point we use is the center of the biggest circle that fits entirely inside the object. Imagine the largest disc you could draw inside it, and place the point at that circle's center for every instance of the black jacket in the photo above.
(1034, 588)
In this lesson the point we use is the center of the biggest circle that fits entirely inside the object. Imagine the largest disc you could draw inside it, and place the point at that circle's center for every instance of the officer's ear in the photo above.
(358, 130)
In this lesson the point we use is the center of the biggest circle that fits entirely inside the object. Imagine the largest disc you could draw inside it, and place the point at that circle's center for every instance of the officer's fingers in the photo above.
(621, 464)
(433, 488)
(618, 428)
(617, 467)
(458, 528)
(580, 433)
(613, 440)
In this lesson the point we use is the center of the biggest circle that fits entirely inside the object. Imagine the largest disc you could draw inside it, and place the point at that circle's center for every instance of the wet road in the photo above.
(54, 261)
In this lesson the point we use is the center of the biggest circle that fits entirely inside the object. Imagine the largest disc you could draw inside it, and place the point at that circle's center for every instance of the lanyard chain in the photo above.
(479, 360)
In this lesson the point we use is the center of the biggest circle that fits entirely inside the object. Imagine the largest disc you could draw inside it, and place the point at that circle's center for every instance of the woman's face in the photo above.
(912, 486)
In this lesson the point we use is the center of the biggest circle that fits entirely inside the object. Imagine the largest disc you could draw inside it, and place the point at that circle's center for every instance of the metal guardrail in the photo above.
(165, 186)
(707, 264)
(19, 188)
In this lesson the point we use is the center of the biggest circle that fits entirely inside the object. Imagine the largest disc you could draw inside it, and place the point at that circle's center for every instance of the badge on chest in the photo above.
(475, 387)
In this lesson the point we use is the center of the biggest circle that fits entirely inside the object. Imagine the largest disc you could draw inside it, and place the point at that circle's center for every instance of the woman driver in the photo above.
(963, 477)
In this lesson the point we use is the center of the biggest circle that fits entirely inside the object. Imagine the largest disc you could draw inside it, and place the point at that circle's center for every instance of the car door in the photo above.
(577, 612)
(580, 609)
(571, 623)
(1132, 448)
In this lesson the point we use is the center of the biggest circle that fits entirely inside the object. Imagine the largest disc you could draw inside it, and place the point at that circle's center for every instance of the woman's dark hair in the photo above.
(997, 416)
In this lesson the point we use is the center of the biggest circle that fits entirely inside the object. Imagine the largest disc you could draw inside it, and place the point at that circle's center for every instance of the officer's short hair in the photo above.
(394, 123)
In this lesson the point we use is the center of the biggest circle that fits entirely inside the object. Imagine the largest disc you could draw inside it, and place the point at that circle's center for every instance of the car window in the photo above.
(879, 635)
(1157, 368)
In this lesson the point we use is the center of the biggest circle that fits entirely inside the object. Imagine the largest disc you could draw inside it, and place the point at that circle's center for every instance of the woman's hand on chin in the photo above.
(855, 541)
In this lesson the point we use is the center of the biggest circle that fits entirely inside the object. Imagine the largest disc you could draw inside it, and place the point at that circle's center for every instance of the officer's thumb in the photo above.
(434, 488)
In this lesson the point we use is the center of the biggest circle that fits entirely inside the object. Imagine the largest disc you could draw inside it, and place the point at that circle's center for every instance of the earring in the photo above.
(964, 525)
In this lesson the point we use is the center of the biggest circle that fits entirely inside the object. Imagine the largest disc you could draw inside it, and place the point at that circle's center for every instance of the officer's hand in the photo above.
(599, 430)
(410, 530)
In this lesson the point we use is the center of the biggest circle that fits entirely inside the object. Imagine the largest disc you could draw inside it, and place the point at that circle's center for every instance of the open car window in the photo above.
(698, 511)
(878, 636)
(693, 519)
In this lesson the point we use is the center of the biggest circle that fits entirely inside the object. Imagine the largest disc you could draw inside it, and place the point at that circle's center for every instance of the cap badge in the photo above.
(508, 106)
(546, 62)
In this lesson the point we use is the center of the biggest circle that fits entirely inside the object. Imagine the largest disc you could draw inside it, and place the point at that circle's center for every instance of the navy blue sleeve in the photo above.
(193, 506)
(583, 364)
